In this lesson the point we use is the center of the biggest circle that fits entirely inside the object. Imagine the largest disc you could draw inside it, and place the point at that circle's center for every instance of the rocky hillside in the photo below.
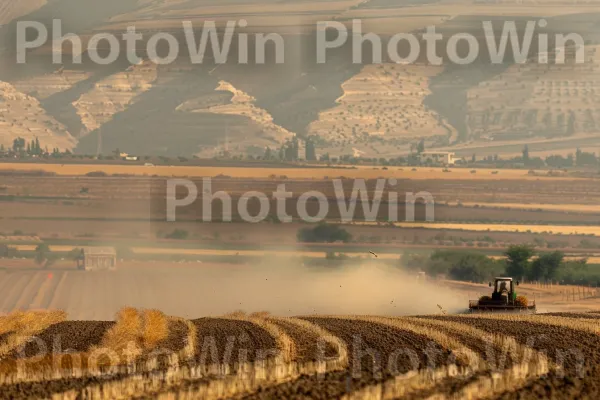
(371, 110)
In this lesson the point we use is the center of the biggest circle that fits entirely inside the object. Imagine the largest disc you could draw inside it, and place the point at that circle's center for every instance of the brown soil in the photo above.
(78, 336)
(552, 340)
(234, 341)
(380, 338)
(307, 342)
(587, 315)
(177, 338)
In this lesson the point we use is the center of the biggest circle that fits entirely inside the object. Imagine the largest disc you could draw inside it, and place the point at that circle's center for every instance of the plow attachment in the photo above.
(476, 306)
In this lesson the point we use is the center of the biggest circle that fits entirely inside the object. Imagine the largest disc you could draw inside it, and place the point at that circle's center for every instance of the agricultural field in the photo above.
(358, 172)
(261, 356)
(129, 210)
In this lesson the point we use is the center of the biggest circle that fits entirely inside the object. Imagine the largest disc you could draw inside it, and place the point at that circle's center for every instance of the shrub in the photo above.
(179, 234)
(323, 233)
(97, 174)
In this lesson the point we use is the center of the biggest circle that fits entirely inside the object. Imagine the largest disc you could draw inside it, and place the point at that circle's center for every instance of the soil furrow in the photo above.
(376, 353)
(310, 347)
(231, 341)
(67, 336)
(575, 352)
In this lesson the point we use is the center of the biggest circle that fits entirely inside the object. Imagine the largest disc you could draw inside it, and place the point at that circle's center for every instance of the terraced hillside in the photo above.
(536, 99)
(374, 111)
(259, 356)
(23, 116)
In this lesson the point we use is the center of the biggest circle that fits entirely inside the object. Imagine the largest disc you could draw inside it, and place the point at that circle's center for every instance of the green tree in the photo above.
(546, 266)
(323, 233)
(311, 153)
(268, 154)
(526, 153)
(518, 262)
(42, 252)
(421, 146)
(178, 234)
(583, 158)
(18, 145)
(463, 265)
(4, 250)
(571, 124)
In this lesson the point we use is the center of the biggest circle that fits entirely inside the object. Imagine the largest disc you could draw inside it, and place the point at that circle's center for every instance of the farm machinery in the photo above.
(503, 299)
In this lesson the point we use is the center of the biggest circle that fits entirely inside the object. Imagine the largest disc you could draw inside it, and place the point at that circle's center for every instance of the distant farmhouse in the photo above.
(437, 157)
(97, 259)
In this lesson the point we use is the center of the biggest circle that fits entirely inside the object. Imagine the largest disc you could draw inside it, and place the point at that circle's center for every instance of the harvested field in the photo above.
(387, 358)
(292, 173)
(588, 315)
(573, 351)
(556, 341)
(381, 340)
(231, 341)
(309, 344)
(555, 229)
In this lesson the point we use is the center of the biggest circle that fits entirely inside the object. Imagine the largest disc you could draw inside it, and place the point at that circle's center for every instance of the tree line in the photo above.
(521, 262)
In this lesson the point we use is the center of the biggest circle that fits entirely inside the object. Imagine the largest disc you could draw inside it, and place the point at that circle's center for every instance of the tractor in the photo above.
(504, 298)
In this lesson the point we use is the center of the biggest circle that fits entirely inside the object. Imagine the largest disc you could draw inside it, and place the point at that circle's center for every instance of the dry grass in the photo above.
(580, 324)
(579, 208)
(552, 229)
(334, 341)
(291, 173)
(20, 325)
(135, 333)
(125, 332)
(285, 345)
(155, 328)
(191, 344)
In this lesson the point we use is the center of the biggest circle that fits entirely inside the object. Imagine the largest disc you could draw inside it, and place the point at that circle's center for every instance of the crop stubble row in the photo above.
(557, 342)
(248, 339)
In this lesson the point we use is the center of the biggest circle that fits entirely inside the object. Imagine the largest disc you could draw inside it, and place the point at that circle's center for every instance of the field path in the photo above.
(31, 290)
(14, 290)
(57, 291)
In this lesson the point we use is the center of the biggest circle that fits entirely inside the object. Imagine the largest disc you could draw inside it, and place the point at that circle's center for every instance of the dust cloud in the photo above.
(284, 288)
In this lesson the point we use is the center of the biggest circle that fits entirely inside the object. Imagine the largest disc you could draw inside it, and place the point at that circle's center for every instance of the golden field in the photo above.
(360, 172)
(554, 229)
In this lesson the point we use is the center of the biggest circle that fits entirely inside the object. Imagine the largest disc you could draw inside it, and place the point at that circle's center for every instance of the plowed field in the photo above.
(239, 356)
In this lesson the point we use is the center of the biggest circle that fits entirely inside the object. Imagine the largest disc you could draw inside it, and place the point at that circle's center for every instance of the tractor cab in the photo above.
(504, 290)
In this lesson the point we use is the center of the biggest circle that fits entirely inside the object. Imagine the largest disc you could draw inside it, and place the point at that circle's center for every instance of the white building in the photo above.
(437, 157)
